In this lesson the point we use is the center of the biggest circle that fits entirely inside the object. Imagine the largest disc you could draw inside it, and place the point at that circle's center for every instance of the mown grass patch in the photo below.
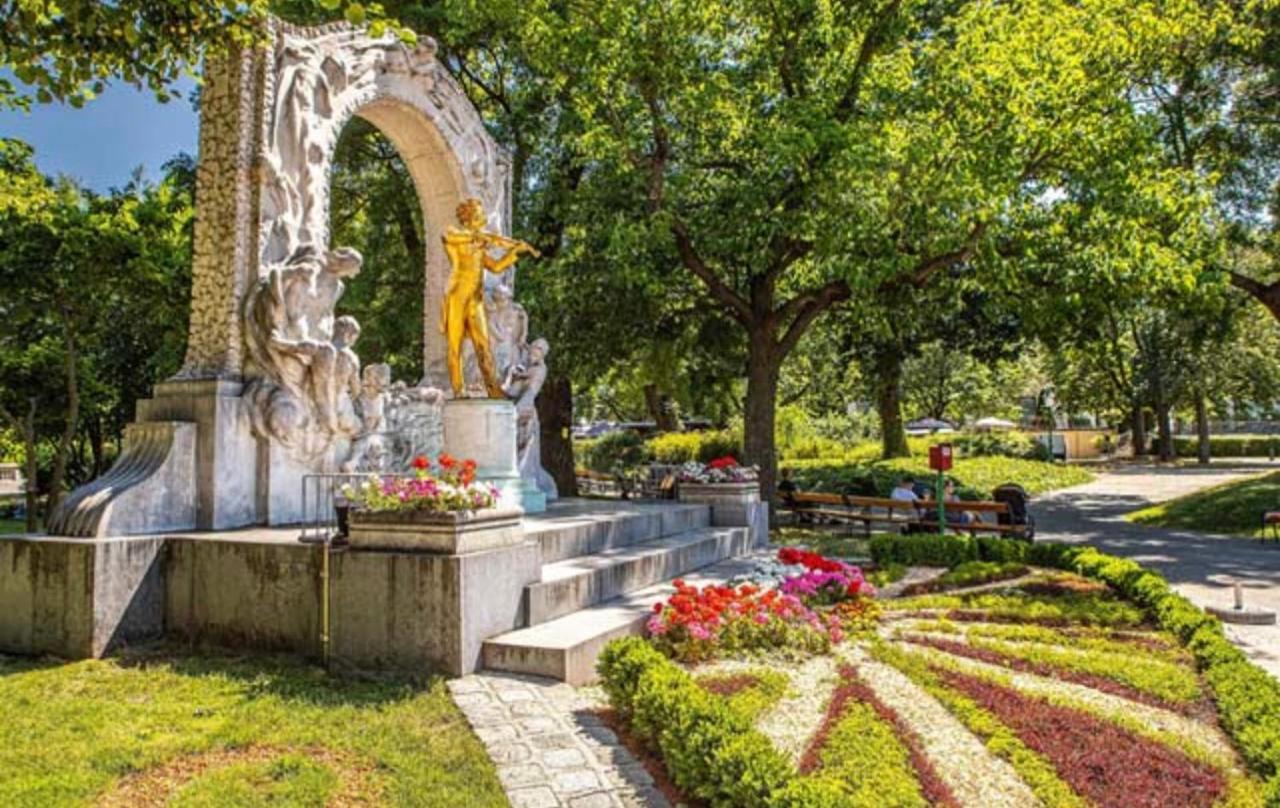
(1013, 606)
(70, 732)
(977, 476)
(836, 543)
(1233, 508)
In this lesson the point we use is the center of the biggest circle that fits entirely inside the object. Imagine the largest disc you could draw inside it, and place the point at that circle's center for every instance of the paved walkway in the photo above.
(550, 747)
(1201, 566)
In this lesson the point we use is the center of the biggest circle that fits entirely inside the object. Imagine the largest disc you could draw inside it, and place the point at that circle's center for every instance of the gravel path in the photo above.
(1197, 732)
(975, 776)
(795, 718)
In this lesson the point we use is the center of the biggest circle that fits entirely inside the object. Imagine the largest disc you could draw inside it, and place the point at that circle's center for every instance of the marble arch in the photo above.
(214, 447)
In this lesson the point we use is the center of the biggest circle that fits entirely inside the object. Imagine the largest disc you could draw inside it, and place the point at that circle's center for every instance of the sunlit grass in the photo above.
(1233, 508)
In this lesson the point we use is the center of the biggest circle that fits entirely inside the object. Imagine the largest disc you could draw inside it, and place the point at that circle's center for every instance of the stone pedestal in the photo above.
(453, 533)
(732, 505)
(484, 430)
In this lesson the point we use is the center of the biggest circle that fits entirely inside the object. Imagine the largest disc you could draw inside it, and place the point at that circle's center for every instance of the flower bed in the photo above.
(1107, 706)
(721, 470)
(451, 488)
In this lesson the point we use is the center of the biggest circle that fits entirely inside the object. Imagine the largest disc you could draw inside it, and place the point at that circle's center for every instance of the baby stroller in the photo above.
(1015, 496)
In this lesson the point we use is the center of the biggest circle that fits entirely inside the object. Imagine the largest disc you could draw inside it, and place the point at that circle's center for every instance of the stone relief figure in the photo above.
(523, 384)
(467, 246)
(309, 372)
(508, 329)
(371, 449)
(415, 419)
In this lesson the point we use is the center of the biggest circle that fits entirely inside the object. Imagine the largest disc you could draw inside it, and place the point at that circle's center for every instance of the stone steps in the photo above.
(587, 528)
(566, 648)
(577, 583)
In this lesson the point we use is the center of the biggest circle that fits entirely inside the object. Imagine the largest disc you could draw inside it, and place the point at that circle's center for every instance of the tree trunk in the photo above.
(1139, 431)
(71, 361)
(32, 468)
(1202, 429)
(1165, 425)
(555, 414)
(888, 389)
(758, 440)
(661, 409)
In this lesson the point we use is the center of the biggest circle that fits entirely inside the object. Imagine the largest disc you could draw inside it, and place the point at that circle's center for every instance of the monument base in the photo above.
(484, 430)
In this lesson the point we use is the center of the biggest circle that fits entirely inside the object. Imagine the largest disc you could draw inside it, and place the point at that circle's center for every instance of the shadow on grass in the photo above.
(287, 677)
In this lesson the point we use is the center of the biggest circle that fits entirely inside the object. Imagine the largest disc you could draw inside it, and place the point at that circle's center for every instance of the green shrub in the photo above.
(614, 453)
(1000, 444)
(1229, 445)
(710, 750)
(864, 754)
(975, 477)
(923, 550)
(685, 447)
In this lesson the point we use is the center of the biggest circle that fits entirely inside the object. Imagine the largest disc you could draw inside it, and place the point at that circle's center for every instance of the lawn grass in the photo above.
(976, 476)
(835, 542)
(1233, 508)
(69, 733)
(12, 526)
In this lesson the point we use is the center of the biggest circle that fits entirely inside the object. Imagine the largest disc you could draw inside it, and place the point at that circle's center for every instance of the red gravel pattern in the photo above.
(726, 686)
(1044, 669)
(1108, 765)
(852, 688)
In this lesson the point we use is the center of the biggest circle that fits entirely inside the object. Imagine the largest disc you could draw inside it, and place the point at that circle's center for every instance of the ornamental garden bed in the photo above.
(1045, 675)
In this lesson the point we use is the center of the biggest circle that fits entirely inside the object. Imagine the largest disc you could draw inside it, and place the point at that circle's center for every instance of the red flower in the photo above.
(421, 463)
(728, 461)
(446, 461)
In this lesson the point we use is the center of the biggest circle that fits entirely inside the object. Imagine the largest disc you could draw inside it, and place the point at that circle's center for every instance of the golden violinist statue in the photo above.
(467, 246)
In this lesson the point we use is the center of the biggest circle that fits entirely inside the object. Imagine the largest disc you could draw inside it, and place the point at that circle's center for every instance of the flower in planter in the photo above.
(720, 470)
(453, 490)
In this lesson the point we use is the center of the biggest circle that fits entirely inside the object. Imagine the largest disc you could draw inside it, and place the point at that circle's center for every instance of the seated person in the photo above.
(787, 487)
(949, 495)
(905, 491)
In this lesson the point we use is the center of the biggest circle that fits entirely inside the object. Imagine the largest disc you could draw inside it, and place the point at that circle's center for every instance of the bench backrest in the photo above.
(849, 500)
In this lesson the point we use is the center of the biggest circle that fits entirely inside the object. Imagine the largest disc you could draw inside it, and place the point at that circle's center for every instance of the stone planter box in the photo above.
(447, 533)
(732, 505)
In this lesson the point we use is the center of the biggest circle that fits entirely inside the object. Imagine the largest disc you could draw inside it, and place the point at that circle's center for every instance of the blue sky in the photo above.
(101, 143)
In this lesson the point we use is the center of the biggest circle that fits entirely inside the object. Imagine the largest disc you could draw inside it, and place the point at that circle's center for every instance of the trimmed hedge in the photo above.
(710, 750)
(1229, 445)
(931, 550)
(683, 447)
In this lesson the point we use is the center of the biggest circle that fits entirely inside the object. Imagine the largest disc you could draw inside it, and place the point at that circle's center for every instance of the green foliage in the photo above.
(886, 574)
(683, 447)
(864, 755)
(975, 477)
(972, 573)
(614, 453)
(923, 550)
(1089, 609)
(100, 719)
(710, 749)
(1234, 507)
(1162, 679)
(766, 689)
(1034, 769)
(1230, 446)
(1000, 444)
(69, 50)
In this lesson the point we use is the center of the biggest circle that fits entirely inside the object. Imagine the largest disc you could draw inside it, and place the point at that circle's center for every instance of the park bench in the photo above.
(852, 509)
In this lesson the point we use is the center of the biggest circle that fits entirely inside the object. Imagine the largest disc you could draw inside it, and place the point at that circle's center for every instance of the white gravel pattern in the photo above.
(976, 777)
(1155, 718)
(914, 575)
(794, 719)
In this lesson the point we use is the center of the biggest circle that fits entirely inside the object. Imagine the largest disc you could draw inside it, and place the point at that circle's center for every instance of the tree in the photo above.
(69, 50)
(66, 371)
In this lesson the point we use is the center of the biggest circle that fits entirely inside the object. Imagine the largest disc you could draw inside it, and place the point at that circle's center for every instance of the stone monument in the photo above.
(272, 387)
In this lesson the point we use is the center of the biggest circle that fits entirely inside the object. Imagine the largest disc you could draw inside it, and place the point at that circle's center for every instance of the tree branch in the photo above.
(875, 38)
(719, 291)
(803, 309)
(928, 267)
